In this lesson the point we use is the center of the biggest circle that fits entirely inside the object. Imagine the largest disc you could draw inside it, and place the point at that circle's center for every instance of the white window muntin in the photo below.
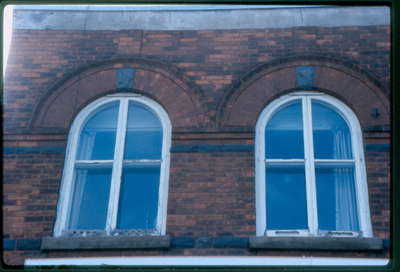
(66, 191)
(309, 161)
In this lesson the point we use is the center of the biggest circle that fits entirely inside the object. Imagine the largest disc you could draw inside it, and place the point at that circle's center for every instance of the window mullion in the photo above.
(310, 167)
(117, 166)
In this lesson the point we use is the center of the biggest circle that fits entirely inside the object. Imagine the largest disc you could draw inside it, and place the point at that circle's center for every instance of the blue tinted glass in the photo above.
(90, 200)
(139, 198)
(336, 198)
(97, 139)
(144, 134)
(284, 133)
(332, 139)
(286, 198)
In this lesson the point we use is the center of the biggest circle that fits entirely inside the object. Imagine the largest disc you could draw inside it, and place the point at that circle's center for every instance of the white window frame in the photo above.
(66, 191)
(361, 187)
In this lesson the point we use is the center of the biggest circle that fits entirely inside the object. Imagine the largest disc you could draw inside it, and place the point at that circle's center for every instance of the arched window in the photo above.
(115, 179)
(310, 170)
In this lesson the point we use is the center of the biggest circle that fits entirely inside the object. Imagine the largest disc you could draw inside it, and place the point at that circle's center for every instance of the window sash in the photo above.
(117, 164)
(310, 164)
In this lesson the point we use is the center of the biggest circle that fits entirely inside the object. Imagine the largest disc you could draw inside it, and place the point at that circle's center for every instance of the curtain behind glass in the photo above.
(331, 134)
(332, 140)
(344, 185)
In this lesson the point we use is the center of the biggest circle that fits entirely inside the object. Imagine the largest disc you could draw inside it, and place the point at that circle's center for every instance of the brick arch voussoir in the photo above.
(247, 97)
(59, 105)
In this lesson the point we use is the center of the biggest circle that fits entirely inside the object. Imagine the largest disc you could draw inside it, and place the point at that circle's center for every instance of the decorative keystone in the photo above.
(305, 77)
(125, 78)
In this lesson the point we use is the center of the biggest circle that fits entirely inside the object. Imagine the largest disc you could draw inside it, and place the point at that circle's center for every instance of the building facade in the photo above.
(250, 132)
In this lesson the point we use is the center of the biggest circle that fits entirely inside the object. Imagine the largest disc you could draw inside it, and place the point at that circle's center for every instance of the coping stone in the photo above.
(91, 19)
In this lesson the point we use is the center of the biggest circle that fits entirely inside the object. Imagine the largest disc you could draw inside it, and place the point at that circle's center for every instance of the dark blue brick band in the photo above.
(204, 242)
(176, 242)
(34, 150)
(231, 242)
(29, 244)
(212, 148)
(182, 242)
(386, 243)
(8, 244)
(377, 147)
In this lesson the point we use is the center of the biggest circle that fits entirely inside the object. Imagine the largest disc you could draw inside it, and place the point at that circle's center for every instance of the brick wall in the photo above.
(212, 60)
(206, 81)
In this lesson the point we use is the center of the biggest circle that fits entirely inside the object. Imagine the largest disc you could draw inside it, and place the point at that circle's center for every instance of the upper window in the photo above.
(310, 170)
(116, 172)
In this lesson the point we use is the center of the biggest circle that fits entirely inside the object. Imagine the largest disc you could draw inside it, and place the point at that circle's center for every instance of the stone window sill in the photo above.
(108, 242)
(315, 243)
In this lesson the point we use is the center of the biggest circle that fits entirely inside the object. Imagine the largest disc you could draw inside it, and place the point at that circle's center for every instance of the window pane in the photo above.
(336, 198)
(97, 139)
(138, 198)
(90, 200)
(332, 139)
(286, 197)
(284, 133)
(144, 134)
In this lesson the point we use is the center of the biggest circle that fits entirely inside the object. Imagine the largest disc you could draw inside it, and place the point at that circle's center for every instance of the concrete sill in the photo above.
(110, 242)
(315, 243)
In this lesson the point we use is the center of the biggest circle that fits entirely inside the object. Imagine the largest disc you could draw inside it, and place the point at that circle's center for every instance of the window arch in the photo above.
(115, 178)
(310, 169)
